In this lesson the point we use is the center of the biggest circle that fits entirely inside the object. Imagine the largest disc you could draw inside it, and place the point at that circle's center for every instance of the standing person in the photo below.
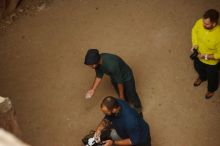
(206, 40)
(120, 73)
(128, 128)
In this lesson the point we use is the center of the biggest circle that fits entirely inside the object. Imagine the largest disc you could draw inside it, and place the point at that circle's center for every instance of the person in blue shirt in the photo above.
(131, 128)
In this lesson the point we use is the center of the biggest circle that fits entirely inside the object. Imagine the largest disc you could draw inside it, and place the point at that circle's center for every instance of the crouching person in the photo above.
(128, 128)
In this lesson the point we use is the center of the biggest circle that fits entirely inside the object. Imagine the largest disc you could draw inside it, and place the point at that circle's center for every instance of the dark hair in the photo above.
(212, 14)
(92, 57)
(110, 102)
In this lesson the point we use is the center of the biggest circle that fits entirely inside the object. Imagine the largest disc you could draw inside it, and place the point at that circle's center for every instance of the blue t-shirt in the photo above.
(129, 124)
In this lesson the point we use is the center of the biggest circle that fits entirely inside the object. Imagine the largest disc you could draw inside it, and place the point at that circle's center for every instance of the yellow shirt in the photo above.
(208, 41)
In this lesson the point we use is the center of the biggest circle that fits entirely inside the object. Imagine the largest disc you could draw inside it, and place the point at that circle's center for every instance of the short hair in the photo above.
(92, 57)
(212, 14)
(109, 102)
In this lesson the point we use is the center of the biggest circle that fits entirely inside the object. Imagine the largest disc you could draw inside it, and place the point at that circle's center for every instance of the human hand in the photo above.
(108, 143)
(201, 56)
(193, 47)
(90, 93)
(97, 135)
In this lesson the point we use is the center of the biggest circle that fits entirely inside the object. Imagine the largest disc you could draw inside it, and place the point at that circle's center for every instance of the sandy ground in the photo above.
(41, 69)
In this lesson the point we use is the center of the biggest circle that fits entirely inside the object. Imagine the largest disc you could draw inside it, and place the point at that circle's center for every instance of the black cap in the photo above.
(92, 57)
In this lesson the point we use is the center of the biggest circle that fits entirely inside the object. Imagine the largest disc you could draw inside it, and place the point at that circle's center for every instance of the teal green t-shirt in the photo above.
(115, 67)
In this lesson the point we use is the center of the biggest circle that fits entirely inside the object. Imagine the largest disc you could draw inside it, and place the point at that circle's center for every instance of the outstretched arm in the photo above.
(91, 91)
(96, 83)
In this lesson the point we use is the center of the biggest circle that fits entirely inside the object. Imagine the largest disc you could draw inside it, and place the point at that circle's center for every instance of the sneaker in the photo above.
(197, 82)
(208, 95)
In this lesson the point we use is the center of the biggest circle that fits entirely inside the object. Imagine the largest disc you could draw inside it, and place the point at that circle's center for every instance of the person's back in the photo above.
(113, 65)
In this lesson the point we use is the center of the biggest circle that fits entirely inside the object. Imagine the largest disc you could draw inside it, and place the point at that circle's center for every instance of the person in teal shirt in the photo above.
(120, 73)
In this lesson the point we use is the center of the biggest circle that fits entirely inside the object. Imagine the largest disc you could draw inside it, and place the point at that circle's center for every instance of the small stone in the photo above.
(20, 10)
(41, 7)
(13, 16)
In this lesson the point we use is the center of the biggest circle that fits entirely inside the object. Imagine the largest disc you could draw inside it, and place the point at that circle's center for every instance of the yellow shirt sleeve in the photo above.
(195, 33)
(217, 46)
(217, 54)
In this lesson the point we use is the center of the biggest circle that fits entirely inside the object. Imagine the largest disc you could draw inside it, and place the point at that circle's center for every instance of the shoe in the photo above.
(208, 95)
(197, 82)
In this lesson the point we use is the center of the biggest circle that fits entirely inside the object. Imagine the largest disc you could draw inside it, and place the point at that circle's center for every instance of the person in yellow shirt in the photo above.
(206, 40)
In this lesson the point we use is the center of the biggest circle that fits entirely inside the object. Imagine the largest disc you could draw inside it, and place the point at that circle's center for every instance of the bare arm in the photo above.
(91, 91)
(123, 142)
(96, 83)
(104, 123)
(121, 91)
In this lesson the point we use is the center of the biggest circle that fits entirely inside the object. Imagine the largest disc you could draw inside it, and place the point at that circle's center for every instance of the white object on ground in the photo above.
(2, 99)
(93, 141)
(88, 95)
(7, 139)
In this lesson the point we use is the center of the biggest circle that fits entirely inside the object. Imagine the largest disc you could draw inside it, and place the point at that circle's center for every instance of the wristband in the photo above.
(206, 56)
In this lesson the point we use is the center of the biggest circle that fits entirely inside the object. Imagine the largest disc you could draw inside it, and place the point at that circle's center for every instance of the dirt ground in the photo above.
(42, 70)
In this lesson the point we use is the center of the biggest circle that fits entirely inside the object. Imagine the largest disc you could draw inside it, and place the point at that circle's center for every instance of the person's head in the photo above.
(210, 19)
(110, 106)
(92, 58)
